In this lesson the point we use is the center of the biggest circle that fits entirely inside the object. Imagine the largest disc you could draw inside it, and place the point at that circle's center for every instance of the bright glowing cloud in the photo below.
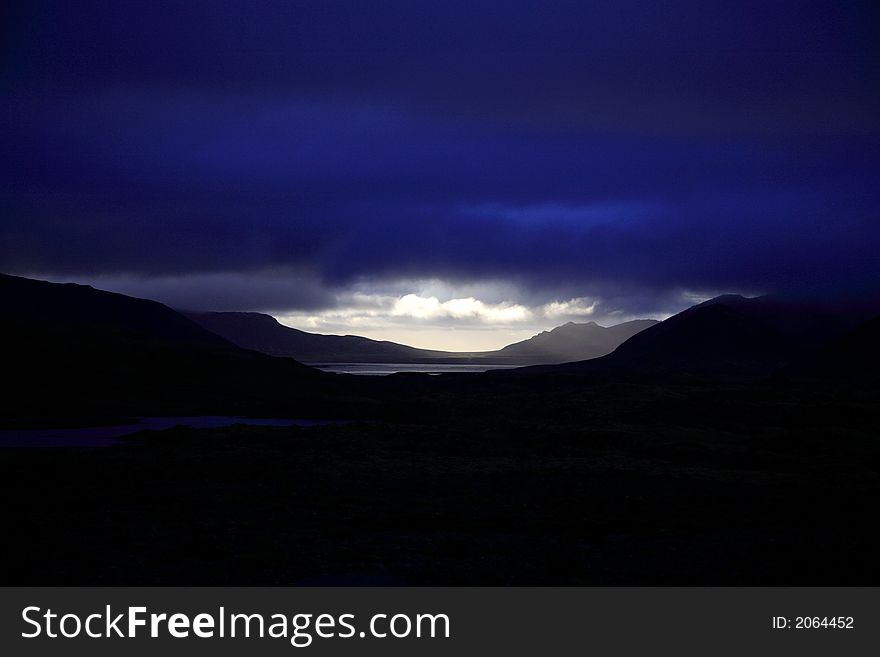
(438, 318)
(580, 307)
(429, 313)
(418, 307)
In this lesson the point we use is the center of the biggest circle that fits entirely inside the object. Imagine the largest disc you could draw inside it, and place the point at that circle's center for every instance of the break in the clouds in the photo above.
(456, 324)
(427, 313)
(291, 156)
(459, 321)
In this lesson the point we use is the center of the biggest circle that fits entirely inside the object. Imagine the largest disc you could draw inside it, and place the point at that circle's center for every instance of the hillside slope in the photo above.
(726, 336)
(265, 334)
(66, 347)
(572, 342)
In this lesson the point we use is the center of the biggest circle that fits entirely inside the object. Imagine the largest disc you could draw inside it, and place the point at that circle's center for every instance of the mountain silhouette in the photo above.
(72, 309)
(729, 335)
(572, 342)
(265, 334)
(66, 345)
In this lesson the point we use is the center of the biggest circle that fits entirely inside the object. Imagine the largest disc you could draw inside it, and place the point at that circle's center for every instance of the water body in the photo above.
(108, 435)
(384, 369)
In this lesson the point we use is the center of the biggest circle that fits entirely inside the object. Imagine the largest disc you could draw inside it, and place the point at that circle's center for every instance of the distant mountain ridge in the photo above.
(265, 334)
(70, 349)
(572, 341)
(729, 335)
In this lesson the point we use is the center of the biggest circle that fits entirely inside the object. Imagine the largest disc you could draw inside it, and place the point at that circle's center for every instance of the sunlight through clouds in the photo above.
(429, 313)
(413, 305)
(423, 318)
(580, 307)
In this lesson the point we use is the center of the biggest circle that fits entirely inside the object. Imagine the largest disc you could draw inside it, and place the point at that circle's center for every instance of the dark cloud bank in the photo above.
(274, 154)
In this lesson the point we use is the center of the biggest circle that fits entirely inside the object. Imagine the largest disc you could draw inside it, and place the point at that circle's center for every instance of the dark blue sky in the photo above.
(285, 156)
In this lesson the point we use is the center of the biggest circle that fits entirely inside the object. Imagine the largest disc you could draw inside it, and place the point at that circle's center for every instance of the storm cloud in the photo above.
(287, 156)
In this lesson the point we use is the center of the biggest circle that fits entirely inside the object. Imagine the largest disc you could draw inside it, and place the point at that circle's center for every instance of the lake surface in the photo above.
(108, 435)
(384, 369)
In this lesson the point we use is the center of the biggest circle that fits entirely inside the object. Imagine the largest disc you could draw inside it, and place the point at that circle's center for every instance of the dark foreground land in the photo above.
(737, 442)
(474, 480)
